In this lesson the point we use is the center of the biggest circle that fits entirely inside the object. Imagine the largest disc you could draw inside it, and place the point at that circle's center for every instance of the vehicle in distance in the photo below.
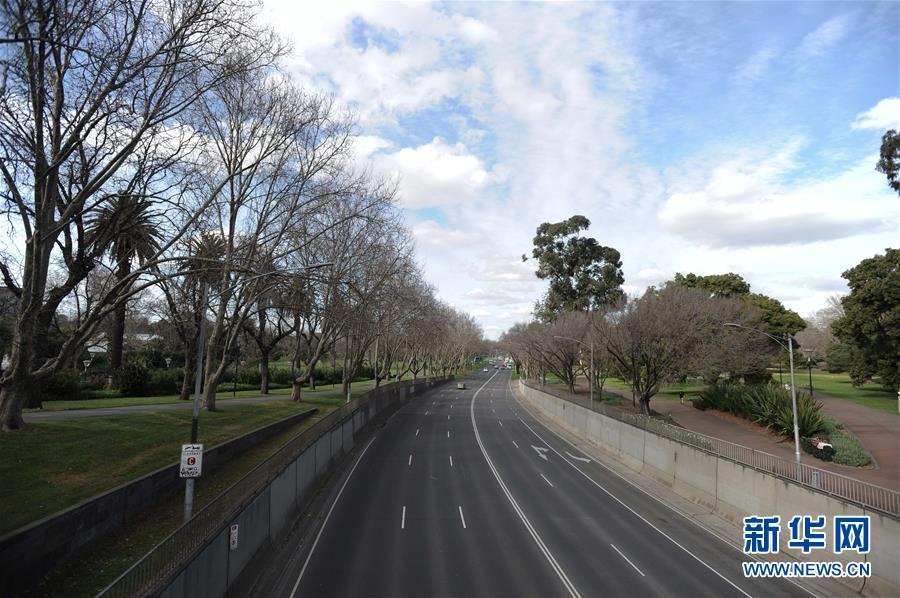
(461, 385)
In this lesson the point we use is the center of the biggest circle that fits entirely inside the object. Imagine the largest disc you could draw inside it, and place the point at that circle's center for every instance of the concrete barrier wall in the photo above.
(273, 509)
(731, 489)
(28, 553)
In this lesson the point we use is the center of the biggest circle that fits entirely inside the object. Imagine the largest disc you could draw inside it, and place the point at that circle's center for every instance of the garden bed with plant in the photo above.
(769, 405)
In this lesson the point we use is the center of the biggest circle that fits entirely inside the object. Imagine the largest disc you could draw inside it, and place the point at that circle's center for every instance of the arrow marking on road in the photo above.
(541, 451)
(582, 459)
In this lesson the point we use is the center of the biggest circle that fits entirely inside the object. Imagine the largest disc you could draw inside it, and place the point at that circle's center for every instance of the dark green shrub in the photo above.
(63, 385)
(281, 376)
(164, 381)
(132, 378)
(848, 450)
(825, 454)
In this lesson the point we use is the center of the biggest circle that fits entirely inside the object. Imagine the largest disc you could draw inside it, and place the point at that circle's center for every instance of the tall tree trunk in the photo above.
(117, 333)
(15, 394)
(345, 375)
(190, 368)
(264, 372)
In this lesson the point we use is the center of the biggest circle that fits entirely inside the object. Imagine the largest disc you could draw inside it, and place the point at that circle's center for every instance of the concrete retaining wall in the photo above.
(28, 553)
(273, 509)
(731, 489)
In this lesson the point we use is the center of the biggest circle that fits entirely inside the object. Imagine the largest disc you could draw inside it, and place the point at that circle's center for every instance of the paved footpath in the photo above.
(877, 430)
(39, 416)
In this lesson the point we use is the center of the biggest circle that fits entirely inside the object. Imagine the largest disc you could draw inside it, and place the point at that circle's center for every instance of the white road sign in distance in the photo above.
(191, 460)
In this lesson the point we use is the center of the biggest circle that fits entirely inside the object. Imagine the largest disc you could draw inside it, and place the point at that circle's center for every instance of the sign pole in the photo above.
(198, 376)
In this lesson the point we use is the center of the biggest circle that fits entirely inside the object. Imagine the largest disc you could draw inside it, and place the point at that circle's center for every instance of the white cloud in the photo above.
(436, 174)
(882, 116)
(746, 204)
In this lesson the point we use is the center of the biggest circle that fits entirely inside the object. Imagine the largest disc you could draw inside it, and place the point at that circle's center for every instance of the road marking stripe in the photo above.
(451, 460)
(448, 417)
(403, 518)
(410, 460)
(548, 481)
(417, 431)
(327, 516)
(462, 518)
(500, 422)
(448, 433)
(639, 516)
(426, 413)
(533, 532)
(516, 445)
(627, 560)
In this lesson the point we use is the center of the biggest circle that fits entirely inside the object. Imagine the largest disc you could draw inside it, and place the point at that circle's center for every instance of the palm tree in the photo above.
(125, 228)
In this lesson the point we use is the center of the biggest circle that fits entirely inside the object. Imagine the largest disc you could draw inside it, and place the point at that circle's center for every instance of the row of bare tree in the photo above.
(154, 147)
(661, 337)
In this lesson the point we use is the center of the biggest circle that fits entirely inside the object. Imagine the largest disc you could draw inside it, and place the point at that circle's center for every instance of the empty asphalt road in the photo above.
(462, 493)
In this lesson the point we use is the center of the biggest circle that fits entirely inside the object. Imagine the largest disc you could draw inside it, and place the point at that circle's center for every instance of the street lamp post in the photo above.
(808, 353)
(591, 381)
(790, 348)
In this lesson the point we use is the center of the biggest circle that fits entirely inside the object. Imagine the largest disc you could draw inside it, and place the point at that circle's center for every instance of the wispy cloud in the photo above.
(755, 67)
(824, 37)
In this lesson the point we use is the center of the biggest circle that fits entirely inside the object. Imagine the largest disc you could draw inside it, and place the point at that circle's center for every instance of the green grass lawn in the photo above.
(95, 569)
(164, 399)
(50, 466)
(871, 394)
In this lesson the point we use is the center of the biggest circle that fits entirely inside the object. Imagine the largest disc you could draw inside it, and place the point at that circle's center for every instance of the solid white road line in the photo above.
(530, 528)
(327, 516)
(638, 515)
(403, 518)
(462, 518)
(628, 560)
(548, 481)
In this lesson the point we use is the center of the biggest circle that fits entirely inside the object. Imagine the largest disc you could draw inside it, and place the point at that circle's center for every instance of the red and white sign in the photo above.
(191, 460)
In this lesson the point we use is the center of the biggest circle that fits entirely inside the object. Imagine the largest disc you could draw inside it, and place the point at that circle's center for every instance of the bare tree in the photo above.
(90, 103)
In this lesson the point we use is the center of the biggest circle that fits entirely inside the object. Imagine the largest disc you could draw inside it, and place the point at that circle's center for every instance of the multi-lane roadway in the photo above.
(463, 493)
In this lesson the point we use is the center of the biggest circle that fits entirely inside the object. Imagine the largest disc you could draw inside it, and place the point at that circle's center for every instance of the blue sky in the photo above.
(701, 136)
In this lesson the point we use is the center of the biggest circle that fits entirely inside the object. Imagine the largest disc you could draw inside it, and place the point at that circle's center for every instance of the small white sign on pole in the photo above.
(191, 460)
(233, 537)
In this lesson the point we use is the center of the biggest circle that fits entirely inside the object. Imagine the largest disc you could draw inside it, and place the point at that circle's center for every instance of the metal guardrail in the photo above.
(870, 496)
(155, 569)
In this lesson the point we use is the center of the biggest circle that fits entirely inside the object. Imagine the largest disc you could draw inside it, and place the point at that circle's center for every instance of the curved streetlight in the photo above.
(790, 349)
(591, 382)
